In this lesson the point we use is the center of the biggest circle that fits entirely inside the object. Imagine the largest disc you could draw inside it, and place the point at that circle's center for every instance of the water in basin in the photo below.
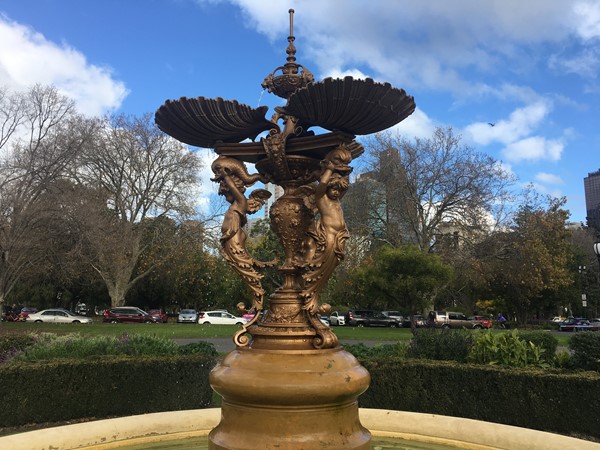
(201, 443)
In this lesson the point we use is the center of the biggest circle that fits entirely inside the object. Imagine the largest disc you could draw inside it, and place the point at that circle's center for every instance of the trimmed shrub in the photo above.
(202, 347)
(440, 344)
(489, 393)
(585, 349)
(59, 390)
(360, 350)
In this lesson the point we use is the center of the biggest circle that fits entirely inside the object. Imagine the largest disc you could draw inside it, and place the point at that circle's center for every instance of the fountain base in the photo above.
(289, 400)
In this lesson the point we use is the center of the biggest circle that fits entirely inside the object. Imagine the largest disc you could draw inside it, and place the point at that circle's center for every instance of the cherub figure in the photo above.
(330, 233)
(233, 178)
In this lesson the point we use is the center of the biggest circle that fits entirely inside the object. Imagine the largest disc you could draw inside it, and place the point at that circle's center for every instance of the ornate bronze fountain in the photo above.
(288, 384)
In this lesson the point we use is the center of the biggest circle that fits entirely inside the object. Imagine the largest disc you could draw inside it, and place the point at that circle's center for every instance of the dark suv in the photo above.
(354, 317)
(449, 319)
(128, 314)
(370, 318)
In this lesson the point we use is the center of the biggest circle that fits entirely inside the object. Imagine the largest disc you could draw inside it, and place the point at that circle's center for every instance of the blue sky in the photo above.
(531, 68)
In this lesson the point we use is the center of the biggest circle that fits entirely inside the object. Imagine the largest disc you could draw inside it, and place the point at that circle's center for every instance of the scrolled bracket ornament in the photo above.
(233, 178)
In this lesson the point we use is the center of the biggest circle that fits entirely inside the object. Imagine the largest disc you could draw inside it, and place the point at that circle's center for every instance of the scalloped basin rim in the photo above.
(463, 433)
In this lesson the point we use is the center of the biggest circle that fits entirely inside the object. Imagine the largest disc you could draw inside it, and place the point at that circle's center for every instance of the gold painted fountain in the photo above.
(288, 384)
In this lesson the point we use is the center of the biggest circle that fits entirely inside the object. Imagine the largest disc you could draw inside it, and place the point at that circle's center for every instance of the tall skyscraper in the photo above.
(591, 185)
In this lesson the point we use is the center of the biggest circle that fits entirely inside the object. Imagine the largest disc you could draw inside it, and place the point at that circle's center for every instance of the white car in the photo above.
(187, 316)
(220, 318)
(337, 318)
(57, 316)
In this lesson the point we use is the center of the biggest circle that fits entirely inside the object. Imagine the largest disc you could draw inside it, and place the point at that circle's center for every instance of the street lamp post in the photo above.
(582, 270)
(597, 252)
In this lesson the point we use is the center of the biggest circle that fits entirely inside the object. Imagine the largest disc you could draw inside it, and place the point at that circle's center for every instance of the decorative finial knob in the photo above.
(291, 78)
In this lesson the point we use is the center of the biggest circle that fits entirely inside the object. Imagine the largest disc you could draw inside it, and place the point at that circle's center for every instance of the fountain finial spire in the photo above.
(291, 49)
(291, 78)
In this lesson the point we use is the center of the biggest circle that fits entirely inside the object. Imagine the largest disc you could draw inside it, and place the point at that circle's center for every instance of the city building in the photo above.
(591, 185)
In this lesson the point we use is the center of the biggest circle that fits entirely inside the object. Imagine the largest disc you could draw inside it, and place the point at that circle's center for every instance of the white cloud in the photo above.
(417, 125)
(588, 19)
(28, 58)
(533, 148)
(585, 63)
(520, 123)
(338, 73)
(548, 178)
(406, 44)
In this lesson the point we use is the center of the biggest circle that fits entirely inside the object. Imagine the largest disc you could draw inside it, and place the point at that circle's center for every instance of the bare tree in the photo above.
(416, 190)
(139, 174)
(41, 134)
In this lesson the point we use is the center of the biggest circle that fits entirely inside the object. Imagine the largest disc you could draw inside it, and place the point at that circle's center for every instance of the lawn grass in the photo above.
(188, 331)
(193, 331)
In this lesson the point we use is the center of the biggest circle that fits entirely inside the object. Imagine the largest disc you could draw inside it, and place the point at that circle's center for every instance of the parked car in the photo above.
(160, 314)
(187, 316)
(486, 322)
(128, 314)
(220, 318)
(57, 316)
(324, 320)
(24, 313)
(81, 309)
(378, 319)
(337, 318)
(418, 318)
(449, 319)
(10, 314)
(356, 316)
(575, 324)
(595, 323)
(395, 314)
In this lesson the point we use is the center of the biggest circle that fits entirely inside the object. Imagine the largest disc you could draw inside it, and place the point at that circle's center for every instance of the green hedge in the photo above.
(59, 390)
(550, 400)
(585, 348)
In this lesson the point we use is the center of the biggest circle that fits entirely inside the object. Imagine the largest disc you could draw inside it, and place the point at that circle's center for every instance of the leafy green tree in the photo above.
(532, 257)
(265, 246)
(405, 278)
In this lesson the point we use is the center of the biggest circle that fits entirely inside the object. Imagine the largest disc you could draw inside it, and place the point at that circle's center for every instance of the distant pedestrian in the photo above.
(502, 321)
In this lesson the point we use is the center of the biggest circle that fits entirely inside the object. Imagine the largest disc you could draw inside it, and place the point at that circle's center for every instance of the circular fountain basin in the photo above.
(169, 426)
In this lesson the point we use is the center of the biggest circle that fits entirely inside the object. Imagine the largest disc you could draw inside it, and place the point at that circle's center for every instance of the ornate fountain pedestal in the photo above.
(283, 400)
(289, 385)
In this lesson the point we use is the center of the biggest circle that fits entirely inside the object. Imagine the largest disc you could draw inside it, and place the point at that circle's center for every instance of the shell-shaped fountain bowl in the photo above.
(205, 122)
(353, 106)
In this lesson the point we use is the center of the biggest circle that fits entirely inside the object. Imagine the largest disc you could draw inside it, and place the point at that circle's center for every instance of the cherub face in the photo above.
(333, 193)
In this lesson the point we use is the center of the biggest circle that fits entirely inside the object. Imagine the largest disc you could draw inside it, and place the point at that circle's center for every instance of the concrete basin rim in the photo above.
(470, 434)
